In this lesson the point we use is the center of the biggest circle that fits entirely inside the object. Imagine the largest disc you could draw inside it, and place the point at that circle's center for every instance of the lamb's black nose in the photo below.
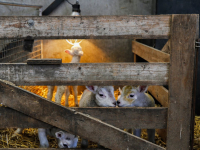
(118, 102)
(65, 145)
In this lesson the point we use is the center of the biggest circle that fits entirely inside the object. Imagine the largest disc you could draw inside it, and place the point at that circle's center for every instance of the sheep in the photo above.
(65, 139)
(97, 96)
(76, 53)
(136, 97)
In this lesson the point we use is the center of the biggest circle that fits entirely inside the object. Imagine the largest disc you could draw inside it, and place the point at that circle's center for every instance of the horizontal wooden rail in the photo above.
(86, 74)
(70, 120)
(145, 118)
(86, 27)
(20, 5)
(148, 53)
(54, 148)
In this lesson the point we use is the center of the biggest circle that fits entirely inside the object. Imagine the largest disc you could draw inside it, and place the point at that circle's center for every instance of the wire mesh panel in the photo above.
(11, 51)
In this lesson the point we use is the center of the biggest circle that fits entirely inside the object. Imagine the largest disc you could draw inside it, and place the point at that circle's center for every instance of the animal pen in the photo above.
(105, 125)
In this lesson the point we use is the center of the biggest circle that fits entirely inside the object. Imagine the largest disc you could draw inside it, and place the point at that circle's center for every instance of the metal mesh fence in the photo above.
(11, 51)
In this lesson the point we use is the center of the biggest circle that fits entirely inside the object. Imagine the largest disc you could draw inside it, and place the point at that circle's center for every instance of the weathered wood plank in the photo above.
(20, 5)
(11, 118)
(160, 93)
(44, 61)
(149, 53)
(85, 27)
(166, 47)
(86, 74)
(53, 149)
(70, 120)
(145, 118)
(184, 32)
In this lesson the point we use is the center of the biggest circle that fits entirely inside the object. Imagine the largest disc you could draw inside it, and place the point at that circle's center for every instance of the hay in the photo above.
(29, 138)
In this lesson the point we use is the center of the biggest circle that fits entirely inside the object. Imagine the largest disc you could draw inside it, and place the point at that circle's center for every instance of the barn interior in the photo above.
(95, 51)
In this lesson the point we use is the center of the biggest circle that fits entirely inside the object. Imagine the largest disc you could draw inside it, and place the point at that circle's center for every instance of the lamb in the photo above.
(136, 97)
(65, 140)
(76, 52)
(97, 96)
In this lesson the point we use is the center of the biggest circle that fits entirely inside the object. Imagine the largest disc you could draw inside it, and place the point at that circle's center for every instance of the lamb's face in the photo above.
(128, 96)
(66, 140)
(104, 95)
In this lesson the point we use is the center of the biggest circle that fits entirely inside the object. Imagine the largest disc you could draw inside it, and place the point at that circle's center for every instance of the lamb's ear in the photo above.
(75, 142)
(59, 134)
(142, 88)
(93, 89)
(68, 51)
(120, 90)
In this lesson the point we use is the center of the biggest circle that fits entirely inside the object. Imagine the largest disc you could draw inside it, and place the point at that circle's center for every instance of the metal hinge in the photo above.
(197, 43)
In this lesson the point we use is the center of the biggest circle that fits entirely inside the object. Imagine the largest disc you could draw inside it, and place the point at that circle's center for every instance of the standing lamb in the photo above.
(76, 53)
(97, 96)
(136, 97)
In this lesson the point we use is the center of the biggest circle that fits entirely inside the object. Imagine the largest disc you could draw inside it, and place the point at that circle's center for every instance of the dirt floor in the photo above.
(29, 138)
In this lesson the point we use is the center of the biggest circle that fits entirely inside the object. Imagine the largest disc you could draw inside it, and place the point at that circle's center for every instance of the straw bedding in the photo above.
(29, 138)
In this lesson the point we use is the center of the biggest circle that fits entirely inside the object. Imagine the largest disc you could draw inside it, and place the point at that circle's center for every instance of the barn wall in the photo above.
(100, 50)
(110, 50)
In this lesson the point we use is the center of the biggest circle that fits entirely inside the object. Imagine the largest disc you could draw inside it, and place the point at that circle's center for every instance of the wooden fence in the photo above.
(177, 70)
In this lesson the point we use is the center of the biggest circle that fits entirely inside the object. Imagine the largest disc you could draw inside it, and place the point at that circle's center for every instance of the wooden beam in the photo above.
(52, 7)
(153, 55)
(53, 149)
(11, 118)
(184, 32)
(160, 93)
(70, 120)
(46, 61)
(20, 5)
(85, 27)
(145, 118)
(86, 74)
(166, 48)
(149, 53)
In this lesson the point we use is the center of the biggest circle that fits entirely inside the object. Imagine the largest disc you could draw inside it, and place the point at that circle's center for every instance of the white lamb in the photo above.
(136, 97)
(65, 139)
(76, 53)
(97, 96)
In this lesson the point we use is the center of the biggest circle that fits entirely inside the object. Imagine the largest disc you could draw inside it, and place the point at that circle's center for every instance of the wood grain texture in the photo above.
(44, 61)
(149, 53)
(11, 118)
(160, 93)
(145, 118)
(53, 149)
(166, 47)
(184, 32)
(86, 27)
(86, 74)
(70, 120)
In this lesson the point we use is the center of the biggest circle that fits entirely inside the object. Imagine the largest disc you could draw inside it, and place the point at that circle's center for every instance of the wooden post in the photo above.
(184, 32)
